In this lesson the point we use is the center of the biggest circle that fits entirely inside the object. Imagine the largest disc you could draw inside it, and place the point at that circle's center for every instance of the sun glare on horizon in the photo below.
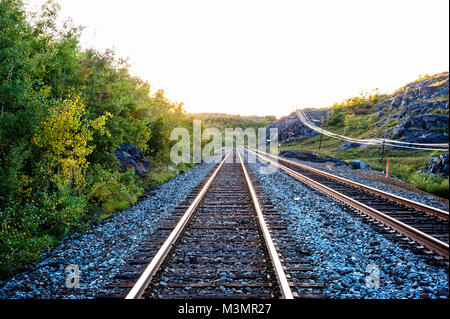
(265, 57)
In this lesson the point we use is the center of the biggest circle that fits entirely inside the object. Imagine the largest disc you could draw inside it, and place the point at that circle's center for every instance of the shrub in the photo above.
(112, 190)
(431, 183)
(17, 248)
(337, 116)
(63, 143)
(63, 112)
(353, 122)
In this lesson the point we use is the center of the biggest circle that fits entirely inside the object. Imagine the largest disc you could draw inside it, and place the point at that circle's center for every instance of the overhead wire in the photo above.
(372, 141)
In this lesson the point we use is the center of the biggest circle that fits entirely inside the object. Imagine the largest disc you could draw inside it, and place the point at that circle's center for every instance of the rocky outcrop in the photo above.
(418, 112)
(427, 128)
(291, 129)
(130, 156)
(347, 146)
(308, 156)
(421, 109)
(438, 164)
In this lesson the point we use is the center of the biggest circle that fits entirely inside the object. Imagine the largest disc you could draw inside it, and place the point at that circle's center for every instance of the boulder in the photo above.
(358, 164)
(438, 164)
(301, 155)
(346, 146)
(335, 161)
(131, 156)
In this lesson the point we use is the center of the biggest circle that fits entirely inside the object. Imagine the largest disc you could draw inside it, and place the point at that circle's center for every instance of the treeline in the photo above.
(229, 121)
(63, 112)
(222, 121)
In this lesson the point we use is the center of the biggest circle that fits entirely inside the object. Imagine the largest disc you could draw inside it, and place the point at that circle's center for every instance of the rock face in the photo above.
(291, 129)
(347, 146)
(421, 109)
(418, 111)
(131, 156)
(427, 128)
(438, 164)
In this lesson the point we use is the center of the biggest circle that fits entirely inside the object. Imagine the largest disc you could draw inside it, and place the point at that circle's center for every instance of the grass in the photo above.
(437, 99)
(440, 83)
(431, 184)
(437, 111)
(402, 164)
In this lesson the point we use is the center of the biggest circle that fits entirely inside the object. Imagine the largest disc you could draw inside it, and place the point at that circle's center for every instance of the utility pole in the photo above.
(320, 141)
(345, 129)
(382, 147)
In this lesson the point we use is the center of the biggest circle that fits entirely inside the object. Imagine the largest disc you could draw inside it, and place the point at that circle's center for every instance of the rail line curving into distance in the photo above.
(424, 224)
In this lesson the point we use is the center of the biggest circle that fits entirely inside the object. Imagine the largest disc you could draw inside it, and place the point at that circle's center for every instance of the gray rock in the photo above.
(290, 128)
(347, 146)
(301, 155)
(438, 164)
(343, 246)
(131, 156)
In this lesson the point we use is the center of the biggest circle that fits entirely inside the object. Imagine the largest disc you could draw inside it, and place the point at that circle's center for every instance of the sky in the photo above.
(266, 57)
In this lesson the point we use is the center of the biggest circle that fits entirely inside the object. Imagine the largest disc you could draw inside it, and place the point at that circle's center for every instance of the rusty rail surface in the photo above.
(278, 268)
(415, 234)
(142, 283)
(404, 201)
(158, 262)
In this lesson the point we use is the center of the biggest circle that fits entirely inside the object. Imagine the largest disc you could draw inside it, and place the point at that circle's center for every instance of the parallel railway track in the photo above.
(226, 240)
(221, 243)
(425, 225)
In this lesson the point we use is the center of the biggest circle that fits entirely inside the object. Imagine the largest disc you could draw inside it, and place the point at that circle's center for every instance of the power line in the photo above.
(372, 141)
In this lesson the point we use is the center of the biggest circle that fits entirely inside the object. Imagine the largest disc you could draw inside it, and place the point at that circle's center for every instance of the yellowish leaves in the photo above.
(99, 124)
(63, 140)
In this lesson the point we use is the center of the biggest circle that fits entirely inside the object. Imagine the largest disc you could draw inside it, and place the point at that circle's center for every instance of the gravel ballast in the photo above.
(366, 177)
(102, 251)
(344, 248)
(341, 247)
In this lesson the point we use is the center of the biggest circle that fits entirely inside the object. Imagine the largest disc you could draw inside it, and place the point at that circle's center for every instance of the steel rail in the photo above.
(276, 263)
(418, 236)
(442, 214)
(144, 280)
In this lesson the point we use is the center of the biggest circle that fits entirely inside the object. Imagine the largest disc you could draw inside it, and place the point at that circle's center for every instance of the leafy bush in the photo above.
(63, 113)
(353, 122)
(112, 190)
(337, 116)
(432, 184)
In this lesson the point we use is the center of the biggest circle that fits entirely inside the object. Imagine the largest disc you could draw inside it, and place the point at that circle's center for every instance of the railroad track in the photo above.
(225, 241)
(425, 225)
